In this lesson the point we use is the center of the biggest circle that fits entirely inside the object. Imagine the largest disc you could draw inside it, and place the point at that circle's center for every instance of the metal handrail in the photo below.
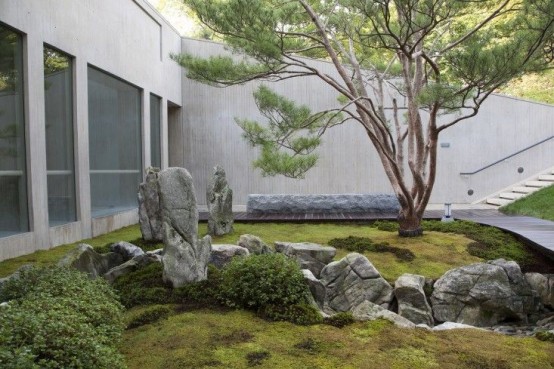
(507, 157)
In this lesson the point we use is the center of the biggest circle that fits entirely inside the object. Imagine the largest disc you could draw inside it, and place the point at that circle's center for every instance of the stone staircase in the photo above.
(522, 189)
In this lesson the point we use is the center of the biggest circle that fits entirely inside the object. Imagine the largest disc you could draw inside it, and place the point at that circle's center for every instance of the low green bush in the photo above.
(365, 244)
(301, 314)
(385, 225)
(546, 336)
(261, 280)
(144, 286)
(150, 315)
(60, 318)
(340, 320)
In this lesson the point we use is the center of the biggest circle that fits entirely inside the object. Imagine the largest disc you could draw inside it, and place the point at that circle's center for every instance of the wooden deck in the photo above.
(537, 232)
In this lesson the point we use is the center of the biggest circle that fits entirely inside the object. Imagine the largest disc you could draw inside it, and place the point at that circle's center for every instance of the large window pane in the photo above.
(155, 118)
(13, 184)
(58, 94)
(115, 143)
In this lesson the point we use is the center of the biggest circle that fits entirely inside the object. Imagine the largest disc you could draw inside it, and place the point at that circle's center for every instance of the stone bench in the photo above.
(322, 203)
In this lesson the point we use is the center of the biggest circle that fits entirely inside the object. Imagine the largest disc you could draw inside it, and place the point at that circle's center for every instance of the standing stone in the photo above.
(308, 255)
(185, 257)
(483, 294)
(219, 197)
(150, 215)
(352, 280)
(412, 303)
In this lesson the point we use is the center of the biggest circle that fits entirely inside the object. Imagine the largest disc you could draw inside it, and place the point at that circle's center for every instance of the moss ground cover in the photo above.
(208, 339)
(539, 205)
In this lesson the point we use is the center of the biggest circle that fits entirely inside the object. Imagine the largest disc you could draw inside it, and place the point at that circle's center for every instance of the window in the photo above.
(58, 94)
(114, 143)
(13, 184)
(155, 135)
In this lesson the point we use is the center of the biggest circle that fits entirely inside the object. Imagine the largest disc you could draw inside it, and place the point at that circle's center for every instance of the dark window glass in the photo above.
(155, 136)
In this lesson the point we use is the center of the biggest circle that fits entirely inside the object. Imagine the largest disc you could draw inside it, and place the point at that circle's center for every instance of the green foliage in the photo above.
(203, 293)
(150, 315)
(292, 134)
(143, 287)
(341, 319)
(301, 314)
(365, 244)
(60, 319)
(385, 225)
(261, 280)
(539, 204)
(546, 336)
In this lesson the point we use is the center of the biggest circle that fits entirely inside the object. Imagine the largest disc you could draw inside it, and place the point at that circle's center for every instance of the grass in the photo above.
(238, 339)
(533, 86)
(539, 205)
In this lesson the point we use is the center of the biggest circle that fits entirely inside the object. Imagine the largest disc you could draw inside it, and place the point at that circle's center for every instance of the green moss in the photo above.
(149, 315)
(539, 205)
(368, 345)
(365, 244)
(340, 320)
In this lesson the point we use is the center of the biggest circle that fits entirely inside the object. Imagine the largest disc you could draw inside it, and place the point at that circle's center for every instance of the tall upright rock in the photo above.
(219, 198)
(185, 258)
(150, 214)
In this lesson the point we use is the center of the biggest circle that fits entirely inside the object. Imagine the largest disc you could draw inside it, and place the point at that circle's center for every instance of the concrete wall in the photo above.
(348, 163)
(125, 38)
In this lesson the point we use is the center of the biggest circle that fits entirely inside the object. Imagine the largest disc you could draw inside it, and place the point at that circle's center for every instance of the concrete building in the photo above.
(89, 97)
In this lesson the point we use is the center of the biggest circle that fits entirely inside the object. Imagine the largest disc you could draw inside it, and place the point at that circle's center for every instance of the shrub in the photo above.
(546, 336)
(340, 320)
(60, 319)
(260, 280)
(384, 225)
(204, 293)
(150, 315)
(301, 314)
(144, 286)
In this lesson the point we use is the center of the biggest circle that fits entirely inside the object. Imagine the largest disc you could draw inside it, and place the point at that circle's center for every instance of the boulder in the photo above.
(316, 288)
(131, 265)
(150, 214)
(370, 311)
(126, 250)
(219, 198)
(85, 259)
(483, 294)
(223, 254)
(544, 285)
(185, 257)
(254, 244)
(351, 281)
(446, 326)
(412, 303)
(308, 255)
(15, 274)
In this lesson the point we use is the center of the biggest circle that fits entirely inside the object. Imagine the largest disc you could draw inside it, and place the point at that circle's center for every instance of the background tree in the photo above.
(442, 57)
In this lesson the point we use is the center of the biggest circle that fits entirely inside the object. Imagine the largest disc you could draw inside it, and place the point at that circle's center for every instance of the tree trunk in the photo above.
(409, 224)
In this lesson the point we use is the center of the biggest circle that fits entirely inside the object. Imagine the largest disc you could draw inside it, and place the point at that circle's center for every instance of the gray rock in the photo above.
(544, 285)
(129, 266)
(150, 214)
(323, 203)
(446, 326)
(412, 303)
(316, 288)
(308, 255)
(223, 254)
(15, 274)
(370, 311)
(156, 252)
(219, 198)
(185, 257)
(254, 244)
(351, 281)
(483, 294)
(85, 259)
(126, 249)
